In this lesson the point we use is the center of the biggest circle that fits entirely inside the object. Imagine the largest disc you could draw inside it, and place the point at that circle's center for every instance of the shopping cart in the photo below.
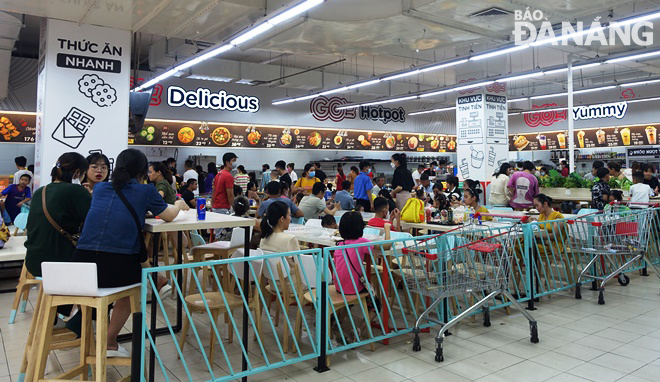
(615, 237)
(480, 263)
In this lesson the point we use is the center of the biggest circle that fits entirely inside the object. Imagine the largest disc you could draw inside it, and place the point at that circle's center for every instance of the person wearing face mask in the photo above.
(402, 182)
(306, 181)
(223, 186)
(67, 203)
(362, 187)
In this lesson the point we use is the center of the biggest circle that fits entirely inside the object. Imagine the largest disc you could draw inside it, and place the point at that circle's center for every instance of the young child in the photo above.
(381, 208)
(600, 192)
(17, 195)
(348, 278)
(359, 208)
(639, 191)
(241, 208)
(329, 221)
(616, 196)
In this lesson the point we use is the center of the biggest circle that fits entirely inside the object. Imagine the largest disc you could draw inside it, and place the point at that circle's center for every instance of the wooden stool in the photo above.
(76, 284)
(25, 283)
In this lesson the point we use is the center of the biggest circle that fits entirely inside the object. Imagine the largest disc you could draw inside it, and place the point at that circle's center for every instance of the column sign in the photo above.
(83, 92)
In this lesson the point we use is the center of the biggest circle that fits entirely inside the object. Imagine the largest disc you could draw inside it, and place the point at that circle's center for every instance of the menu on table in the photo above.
(162, 133)
(17, 128)
(641, 135)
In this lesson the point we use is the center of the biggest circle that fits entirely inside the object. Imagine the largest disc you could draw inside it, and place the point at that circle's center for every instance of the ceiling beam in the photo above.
(192, 19)
(469, 28)
(88, 10)
(151, 15)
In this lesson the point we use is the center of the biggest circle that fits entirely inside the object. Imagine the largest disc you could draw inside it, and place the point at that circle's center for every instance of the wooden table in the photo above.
(187, 221)
(13, 255)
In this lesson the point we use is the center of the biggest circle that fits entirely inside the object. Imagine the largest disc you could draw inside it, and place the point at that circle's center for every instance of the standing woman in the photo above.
(650, 179)
(208, 182)
(98, 171)
(341, 177)
(201, 177)
(499, 194)
(159, 175)
(241, 178)
(112, 238)
(352, 175)
(402, 182)
(67, 202)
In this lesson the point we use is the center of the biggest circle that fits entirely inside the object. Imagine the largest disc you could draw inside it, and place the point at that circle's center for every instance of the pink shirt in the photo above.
(342, 278)
(526, 187)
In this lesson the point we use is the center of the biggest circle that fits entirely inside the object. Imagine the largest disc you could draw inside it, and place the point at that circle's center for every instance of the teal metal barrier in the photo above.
(220, 290)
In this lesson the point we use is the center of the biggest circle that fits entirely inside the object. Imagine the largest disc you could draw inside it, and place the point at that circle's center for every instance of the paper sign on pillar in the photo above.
(83, 92)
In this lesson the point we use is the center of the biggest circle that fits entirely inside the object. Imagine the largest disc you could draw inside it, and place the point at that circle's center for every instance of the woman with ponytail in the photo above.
(112, 235)
(159, 175)
(402, 181)
(275, 221)
(67, 202)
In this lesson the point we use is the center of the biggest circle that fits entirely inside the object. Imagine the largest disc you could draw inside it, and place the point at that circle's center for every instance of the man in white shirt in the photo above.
(639, 191)
(417, 174)
(21, 162)
(190, 173)
(380, 183)
(290, 169)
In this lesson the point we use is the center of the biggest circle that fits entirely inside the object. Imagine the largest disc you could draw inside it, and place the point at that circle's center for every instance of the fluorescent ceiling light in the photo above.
(252, 33)
(517, 99)
(400, 75)
(209, 78)
(432, 111)
(549, 95)
(156, 80)
(477, 85)
(442, 66)
(587, 65)
(349, 106)
(593, 89)
(514, 113)
(332, 91)
(634, 57)
(520, 77)
(555, 71)
(499, 52)
(360, 84)
(634, 20)
(436, 93)
(640, 83)
(644, 99)
(294, 11)
(566, 37)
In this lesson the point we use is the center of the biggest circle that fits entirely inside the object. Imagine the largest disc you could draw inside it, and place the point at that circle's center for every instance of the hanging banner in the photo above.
(642, 135)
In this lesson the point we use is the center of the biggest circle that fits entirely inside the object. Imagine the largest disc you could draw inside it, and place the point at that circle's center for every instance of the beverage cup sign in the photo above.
(651, 135)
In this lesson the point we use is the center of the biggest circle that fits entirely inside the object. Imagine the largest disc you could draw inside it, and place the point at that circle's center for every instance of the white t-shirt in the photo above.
(640, 193)
(294, 177)
(19, 173)
(417, 176)
(191, 174)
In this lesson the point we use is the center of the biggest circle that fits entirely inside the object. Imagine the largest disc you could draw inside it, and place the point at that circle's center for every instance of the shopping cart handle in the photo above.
(429, 256)
(522, 218)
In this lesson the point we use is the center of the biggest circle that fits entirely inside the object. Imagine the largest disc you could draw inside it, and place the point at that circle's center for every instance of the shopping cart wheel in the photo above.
(486, 316)
(578, 291)
(623, 279)
(601, 296)
(534, 338)
(416, 344)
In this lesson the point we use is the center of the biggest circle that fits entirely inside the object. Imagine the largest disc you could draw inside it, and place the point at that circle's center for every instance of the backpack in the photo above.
(413, 211)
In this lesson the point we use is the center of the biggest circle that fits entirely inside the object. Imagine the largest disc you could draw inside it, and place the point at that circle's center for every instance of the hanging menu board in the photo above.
(160, 133)
(643, 135)
(17, 128)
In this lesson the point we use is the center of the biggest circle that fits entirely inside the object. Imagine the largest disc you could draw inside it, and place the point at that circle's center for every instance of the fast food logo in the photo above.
(628, 93)
(324, 108)
(470, 90)
(546, 118)
(496, 87)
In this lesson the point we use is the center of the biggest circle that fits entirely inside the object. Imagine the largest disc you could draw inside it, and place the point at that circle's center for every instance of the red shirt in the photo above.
(340, 179)
(221, 183)
(380, 223)
(564, 172)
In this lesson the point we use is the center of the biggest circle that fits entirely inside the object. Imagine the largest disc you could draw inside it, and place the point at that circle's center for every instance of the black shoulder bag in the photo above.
(142, 256)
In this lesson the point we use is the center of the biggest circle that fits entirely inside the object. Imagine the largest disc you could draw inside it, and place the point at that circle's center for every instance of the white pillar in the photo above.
(82, 94)
(571, 130)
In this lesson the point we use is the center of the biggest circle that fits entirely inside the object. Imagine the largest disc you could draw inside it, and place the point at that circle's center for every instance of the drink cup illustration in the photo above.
(477, 158)
(561, 137)
(465, 168)
(651, 135)
(543, 141)
(491, 156)
(600, 136)
(580, 136)
(625, 136)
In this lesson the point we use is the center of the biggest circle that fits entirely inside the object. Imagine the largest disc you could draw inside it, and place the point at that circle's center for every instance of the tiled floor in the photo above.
(579, 341)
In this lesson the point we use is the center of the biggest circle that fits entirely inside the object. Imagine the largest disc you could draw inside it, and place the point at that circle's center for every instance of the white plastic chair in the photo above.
(371, 231)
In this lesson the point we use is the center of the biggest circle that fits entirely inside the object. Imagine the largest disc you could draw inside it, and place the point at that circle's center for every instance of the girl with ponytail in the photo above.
(275, 221)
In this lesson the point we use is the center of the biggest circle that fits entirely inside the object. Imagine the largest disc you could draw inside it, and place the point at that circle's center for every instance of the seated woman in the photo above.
(471, 199)
(550, 239)
(113, 239)
(99, 170)
(252, 193)
(543, 205)
(275, 221)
